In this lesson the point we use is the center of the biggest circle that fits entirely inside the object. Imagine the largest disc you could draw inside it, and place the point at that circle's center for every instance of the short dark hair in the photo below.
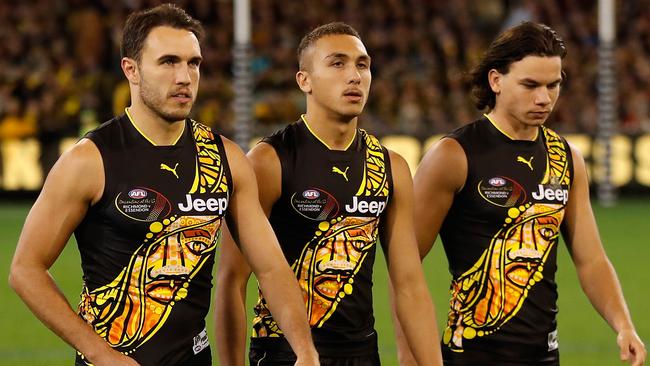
(139, 24)
(510, 46)
(333, 28)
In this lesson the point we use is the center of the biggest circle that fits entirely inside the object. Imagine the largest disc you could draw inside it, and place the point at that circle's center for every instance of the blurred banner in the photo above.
(22, 168)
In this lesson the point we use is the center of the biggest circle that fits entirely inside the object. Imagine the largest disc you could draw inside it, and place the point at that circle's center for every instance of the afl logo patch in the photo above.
(502, 191)
(315, 204)
(142, 204)
(497, 182)
(137, 193)
(311, 194)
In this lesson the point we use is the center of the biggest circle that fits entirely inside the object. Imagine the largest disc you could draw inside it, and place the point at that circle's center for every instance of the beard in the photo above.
(155, 102)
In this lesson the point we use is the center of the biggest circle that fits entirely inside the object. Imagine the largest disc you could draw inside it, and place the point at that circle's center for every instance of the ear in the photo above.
(304, 81)
(130, 69)
(495, 78)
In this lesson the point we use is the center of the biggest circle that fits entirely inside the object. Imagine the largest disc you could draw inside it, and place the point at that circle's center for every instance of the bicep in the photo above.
(247, 220)
(268, 173)
(73, 184)
(439, 177)
(579, 226)
(397, 237)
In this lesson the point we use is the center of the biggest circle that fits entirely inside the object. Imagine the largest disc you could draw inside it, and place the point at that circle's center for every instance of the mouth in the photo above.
(182, 97)
(328, 286)
(520, 273)
(539, 114)
(163, 291)
(353, 95)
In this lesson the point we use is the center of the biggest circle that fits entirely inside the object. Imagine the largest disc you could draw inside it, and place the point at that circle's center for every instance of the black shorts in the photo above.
(259, 357)
(475, 357)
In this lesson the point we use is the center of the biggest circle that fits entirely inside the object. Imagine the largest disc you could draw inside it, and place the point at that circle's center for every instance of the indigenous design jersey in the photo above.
(327, 222)
(148, 246)
(501, 238)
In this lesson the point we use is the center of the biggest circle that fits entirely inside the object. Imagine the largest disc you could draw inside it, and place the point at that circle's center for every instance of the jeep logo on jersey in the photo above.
(201, 204)
(366, 206)
(502, 191)
(315, 204)
(552, 193)
(137, 193)
(142, 204)
(311, 194)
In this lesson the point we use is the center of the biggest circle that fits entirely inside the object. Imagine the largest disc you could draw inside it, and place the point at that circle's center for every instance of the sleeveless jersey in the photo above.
(500, 237)
(148, 246)
(327, 221)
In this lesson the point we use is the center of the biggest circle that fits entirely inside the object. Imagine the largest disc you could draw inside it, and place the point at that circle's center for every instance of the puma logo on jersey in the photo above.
(164, 166)
(551, 194)
(528, 162)
(343, 173)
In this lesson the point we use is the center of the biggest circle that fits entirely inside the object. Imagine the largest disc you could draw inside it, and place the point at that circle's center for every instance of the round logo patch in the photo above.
(315, 204)
(502, 191)
(142, 204)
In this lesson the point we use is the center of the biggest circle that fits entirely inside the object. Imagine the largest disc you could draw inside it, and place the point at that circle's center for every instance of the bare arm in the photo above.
(595, 271)
(260, 247)
(413, 304)
(230, 303)
(442, 173)
(75, 182)
(234, 272)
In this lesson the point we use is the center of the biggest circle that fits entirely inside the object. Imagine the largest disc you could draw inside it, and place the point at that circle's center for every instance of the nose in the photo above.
(183, 74)
(542, 96)
(354, 76)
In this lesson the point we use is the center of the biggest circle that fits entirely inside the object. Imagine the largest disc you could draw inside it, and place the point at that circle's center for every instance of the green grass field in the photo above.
(584, 337)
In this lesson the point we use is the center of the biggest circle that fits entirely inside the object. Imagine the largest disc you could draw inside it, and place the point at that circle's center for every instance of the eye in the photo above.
(338, 64)
(196, 246)
(362, 65)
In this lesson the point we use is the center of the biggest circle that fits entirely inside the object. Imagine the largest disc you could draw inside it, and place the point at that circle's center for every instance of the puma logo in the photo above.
(164, 166)
(339, 171)
(528, 162)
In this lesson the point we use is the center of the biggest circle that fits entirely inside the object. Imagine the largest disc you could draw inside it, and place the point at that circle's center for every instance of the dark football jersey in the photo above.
(148, 246)
(500, 237)
(327, 221)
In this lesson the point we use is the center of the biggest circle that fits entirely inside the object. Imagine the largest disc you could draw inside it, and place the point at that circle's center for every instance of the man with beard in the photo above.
(501, 190)
(146, 195)
(331, 191)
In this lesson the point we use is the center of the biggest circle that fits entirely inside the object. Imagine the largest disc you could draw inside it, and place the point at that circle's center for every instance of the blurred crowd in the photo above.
(60, 72)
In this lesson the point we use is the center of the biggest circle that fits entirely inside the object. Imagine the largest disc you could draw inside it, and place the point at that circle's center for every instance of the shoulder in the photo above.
(80, 169)
(283, 137)
(106, 132)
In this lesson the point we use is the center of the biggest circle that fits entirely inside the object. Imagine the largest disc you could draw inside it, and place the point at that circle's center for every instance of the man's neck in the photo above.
(512, 128)
(334, 133)
(155, 129)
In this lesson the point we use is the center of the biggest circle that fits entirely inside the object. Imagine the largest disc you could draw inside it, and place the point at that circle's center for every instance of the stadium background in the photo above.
(60, 77)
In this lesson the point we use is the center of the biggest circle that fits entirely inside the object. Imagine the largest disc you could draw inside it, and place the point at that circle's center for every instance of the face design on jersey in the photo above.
(327, 267)
(494, 289)
(129, 310)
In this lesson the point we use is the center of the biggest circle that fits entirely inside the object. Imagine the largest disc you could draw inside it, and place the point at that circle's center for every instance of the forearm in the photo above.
(416, 315)
(230, 312)
(285, 303)
(404, 354)
(33, 285)
(600, 283)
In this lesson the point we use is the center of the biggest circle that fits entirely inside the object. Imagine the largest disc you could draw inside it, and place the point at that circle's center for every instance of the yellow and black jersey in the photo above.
(501, 237)
(148, 246)
(327, 221)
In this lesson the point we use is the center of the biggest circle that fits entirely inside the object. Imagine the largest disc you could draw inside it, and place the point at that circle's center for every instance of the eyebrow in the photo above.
(363, 57)
(177, 58)
(535, 82)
